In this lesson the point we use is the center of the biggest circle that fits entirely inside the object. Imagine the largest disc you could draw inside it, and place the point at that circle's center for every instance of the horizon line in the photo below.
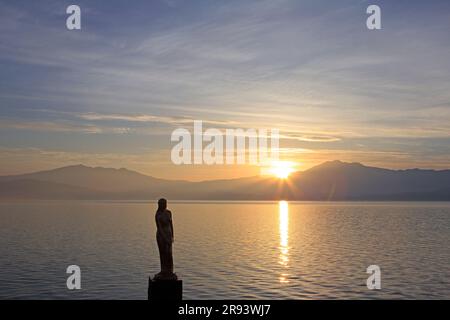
(237, 178)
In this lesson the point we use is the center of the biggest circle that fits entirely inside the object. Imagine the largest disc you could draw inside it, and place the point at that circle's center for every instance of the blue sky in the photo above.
(111, 93)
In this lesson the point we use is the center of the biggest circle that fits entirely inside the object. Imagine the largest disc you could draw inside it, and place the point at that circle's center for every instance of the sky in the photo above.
(111, 93)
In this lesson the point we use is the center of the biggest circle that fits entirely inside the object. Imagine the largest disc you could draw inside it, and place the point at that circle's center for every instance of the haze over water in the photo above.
(232, 250)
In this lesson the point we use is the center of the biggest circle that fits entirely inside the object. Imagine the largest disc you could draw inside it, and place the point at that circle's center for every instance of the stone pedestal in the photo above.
(165, 289)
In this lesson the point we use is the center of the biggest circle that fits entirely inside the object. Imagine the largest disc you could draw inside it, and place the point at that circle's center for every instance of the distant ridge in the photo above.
(331, 180)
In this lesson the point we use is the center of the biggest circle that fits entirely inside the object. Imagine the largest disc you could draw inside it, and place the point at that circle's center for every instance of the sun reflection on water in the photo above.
(284, 239)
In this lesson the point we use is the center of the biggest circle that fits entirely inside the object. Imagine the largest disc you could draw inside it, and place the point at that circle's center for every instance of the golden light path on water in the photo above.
(284, 239)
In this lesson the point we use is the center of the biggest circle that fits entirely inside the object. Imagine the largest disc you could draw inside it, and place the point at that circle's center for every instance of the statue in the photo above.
(164, 238)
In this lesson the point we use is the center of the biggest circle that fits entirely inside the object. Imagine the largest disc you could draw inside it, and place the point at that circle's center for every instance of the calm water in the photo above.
(227, 250)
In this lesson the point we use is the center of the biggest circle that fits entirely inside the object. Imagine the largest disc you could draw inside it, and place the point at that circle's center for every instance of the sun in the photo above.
(281, 169)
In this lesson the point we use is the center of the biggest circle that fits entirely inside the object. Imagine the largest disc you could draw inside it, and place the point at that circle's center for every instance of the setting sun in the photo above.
(281, 169)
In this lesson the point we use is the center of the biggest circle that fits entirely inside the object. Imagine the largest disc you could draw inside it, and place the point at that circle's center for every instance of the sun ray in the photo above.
(281, 169)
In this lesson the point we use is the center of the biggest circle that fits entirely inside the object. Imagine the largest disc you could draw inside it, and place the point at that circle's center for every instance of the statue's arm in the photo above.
(171, 226)
(158, 225)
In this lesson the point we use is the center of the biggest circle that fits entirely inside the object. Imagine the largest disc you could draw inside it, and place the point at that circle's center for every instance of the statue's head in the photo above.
(162, 204)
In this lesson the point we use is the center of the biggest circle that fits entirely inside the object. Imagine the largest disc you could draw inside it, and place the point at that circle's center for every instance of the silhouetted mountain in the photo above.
(100, 179)
(338, 180)
(333, 180)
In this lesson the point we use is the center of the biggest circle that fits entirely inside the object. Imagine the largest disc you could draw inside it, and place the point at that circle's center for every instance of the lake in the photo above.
(227, 250)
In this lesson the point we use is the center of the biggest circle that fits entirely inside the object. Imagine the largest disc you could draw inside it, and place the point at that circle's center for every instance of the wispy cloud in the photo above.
(47, 126)
(149, 118)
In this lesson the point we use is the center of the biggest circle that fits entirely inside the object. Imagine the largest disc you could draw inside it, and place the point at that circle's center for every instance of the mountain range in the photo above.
(332, 180)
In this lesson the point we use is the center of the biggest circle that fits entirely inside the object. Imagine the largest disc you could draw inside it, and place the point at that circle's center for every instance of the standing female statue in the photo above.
(164, 237)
